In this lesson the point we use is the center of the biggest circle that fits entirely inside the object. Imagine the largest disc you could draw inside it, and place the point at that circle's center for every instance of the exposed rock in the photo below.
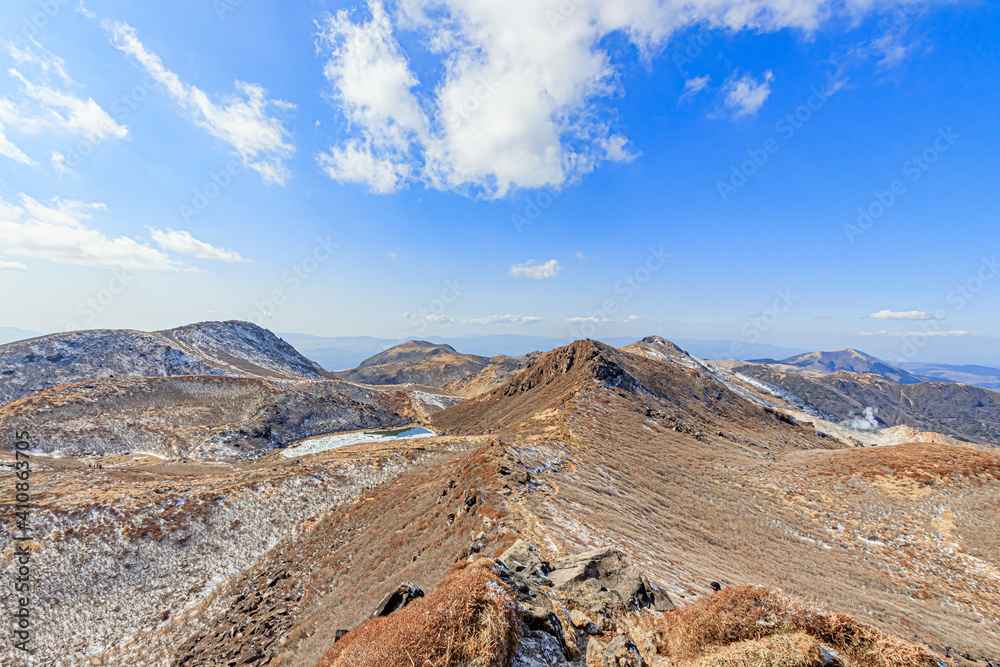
(404, 594)
(595, 652)
(522, 557)
(606, 581)
(582, 622)
(622, 652)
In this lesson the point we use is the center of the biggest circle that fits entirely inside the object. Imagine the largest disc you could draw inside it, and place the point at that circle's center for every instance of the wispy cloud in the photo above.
(534, 268)
(900, 315)
(746, 95)
(242, 120)
(182, 243)
(48, 101)
(502, 319)
(695, 85)
(7, 265)
(60, 232)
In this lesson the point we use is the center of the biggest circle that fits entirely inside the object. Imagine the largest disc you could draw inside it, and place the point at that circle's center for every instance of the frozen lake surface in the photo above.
(325, 442)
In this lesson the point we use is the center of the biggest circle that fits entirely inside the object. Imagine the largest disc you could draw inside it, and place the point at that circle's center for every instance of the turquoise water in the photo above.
(325, 442)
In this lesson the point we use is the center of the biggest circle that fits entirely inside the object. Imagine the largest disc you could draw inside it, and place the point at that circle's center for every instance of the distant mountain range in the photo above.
(846, 383)
(339, 353)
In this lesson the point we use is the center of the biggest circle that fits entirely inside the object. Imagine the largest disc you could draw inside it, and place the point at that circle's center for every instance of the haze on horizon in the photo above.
(814, 175)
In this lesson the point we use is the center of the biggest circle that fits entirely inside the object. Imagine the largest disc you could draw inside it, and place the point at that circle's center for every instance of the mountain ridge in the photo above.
(233, 348)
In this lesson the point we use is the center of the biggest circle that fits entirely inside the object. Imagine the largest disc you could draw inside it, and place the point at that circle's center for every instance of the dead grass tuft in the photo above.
(751, 625)
(794, 650)
(470, 616)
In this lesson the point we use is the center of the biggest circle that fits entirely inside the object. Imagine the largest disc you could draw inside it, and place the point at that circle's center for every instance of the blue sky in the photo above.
(449, 168)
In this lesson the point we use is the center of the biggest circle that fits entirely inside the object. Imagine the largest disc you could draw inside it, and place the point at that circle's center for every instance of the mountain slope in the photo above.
(964, 411)
(431, 365)
(702, 484)
(669, 395)
(201, 416)
(209, 348)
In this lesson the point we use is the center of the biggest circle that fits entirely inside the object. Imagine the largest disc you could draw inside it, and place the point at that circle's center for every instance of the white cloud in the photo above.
(587, 320)
(746, 95)
(7, 265)
(183, 243)
(521, 97)
(59, 165)
(39, 105)
(695, 85)
(64, 111)
(59, 232)
(242, 120)
(634, 319)
(900, 315)
(356, 163)
(534, 268)
(502, 319)
(7, 147)
(437, 319)
(82, 9)
(46, 62)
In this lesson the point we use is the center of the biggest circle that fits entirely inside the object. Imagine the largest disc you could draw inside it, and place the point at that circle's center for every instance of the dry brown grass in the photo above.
(470, 615)
(750, 625)
(794, 650)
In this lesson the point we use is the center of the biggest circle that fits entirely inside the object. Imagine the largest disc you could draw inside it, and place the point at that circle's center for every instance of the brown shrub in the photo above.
(470, 615)
(732, 625)
(795, 650)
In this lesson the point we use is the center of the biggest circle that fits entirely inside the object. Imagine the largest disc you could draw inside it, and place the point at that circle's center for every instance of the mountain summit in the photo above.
(233, 348)
(433, 365)
(847, 359)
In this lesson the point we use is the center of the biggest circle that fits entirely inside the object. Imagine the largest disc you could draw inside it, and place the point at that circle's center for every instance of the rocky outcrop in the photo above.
(565, 604)
(606, 581)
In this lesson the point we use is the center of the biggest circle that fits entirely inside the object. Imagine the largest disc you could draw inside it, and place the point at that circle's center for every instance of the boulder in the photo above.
(622, 652)
(522, 557)
(595, 653)
(404, 594)
(582, 622)
(607, 580)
